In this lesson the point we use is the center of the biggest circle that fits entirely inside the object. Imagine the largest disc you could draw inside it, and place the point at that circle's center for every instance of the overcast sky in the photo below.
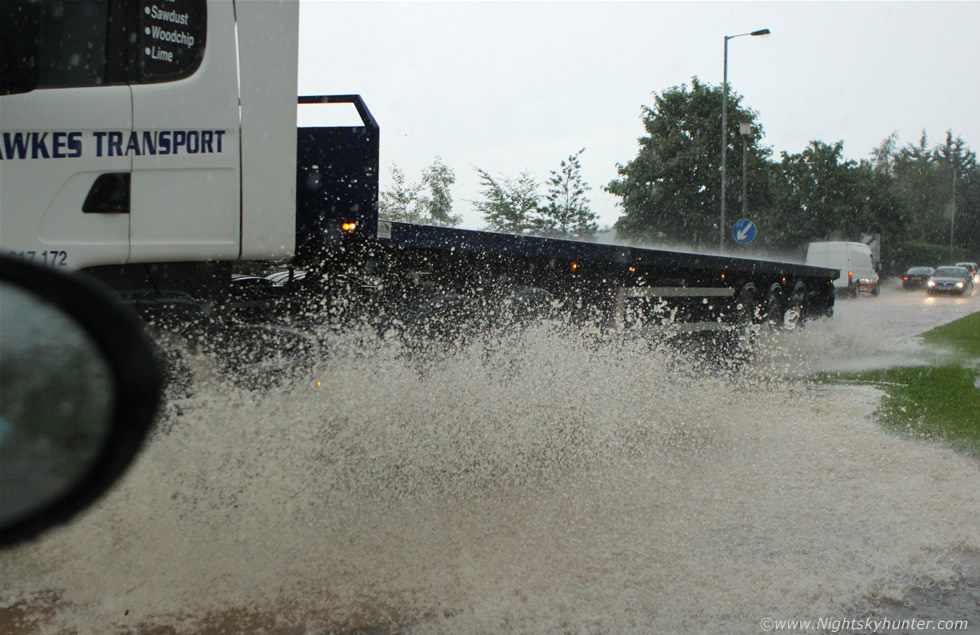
(518, 86)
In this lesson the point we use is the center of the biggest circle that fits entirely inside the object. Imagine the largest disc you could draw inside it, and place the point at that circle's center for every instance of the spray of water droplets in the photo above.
(538, 481)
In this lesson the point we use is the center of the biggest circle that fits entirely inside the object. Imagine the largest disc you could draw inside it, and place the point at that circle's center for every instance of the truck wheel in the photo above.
(746, 306)
(795, 307)
(745, 320)
(773, 309)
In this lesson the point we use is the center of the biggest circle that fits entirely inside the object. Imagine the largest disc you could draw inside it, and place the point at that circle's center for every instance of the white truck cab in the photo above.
(140, 132)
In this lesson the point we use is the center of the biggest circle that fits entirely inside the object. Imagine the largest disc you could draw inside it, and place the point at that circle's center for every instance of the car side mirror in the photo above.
(79, 389)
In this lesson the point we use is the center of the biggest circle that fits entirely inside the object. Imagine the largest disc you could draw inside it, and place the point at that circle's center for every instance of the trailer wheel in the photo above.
(746, 303)
(795, 307)
(747, 312)
(773, 309)
(745, 319)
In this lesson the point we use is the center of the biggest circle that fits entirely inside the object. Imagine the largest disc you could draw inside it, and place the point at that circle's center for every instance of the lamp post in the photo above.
(724, 132)
(745, 129)
(952, 212)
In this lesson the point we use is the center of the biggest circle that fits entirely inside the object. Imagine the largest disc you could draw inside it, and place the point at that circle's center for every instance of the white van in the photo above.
(857, 271)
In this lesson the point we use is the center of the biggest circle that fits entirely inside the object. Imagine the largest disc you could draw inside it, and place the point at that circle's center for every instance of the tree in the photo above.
(882, 211)
(405, 202)
(923, 183)
(567, 212)
(883, 156)
(821, 195)
(439, 204)
(967, 222)
(924, 187)
(817, 197)
(509, 205)
(671, 190)
(957, 163)
(401, 202)
(928, 182)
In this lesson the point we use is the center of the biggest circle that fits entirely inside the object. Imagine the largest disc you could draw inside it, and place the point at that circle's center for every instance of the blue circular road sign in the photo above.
(744, 231)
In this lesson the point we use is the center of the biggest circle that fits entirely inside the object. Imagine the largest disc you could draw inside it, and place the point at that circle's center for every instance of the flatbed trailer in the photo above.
(339, 233)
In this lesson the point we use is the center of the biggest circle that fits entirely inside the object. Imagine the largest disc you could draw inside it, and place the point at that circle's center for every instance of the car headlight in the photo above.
(959, 285)
(931, 283)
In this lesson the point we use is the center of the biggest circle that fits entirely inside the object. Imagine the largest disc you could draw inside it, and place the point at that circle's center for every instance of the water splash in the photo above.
(543, 481)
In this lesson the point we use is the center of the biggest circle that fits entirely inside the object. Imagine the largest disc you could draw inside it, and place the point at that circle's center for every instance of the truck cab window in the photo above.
(100, 42)
(172, 34)
(73, 43)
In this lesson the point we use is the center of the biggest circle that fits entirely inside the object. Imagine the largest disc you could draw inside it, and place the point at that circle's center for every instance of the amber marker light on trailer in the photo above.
(632, 269)
(349, 227)
(574, 266)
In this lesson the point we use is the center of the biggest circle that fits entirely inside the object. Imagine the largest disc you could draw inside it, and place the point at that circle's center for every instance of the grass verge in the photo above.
(963, 335)
(934, 402)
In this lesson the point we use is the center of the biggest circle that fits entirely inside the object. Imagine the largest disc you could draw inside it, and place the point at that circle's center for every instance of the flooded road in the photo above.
(870, 332)
(546, 483)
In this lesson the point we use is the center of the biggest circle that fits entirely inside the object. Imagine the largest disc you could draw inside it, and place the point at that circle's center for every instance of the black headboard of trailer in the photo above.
(336, 181)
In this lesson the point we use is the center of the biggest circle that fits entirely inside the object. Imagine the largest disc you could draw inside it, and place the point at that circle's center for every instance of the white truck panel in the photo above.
(268, 31)
(186, 205)
(49, 164)
(210, 158)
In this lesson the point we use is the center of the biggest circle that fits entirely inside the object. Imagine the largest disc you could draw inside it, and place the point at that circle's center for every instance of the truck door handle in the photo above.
(108, 195)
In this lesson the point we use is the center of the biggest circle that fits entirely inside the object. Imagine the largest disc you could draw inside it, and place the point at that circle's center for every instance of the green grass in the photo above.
(962, 335)
(934, 402)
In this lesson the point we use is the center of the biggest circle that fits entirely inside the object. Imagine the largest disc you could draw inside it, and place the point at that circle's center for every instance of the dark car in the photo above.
(952, 280)
(917, 277)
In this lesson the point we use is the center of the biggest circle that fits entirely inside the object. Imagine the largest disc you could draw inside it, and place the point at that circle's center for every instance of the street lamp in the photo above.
(724, 131)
